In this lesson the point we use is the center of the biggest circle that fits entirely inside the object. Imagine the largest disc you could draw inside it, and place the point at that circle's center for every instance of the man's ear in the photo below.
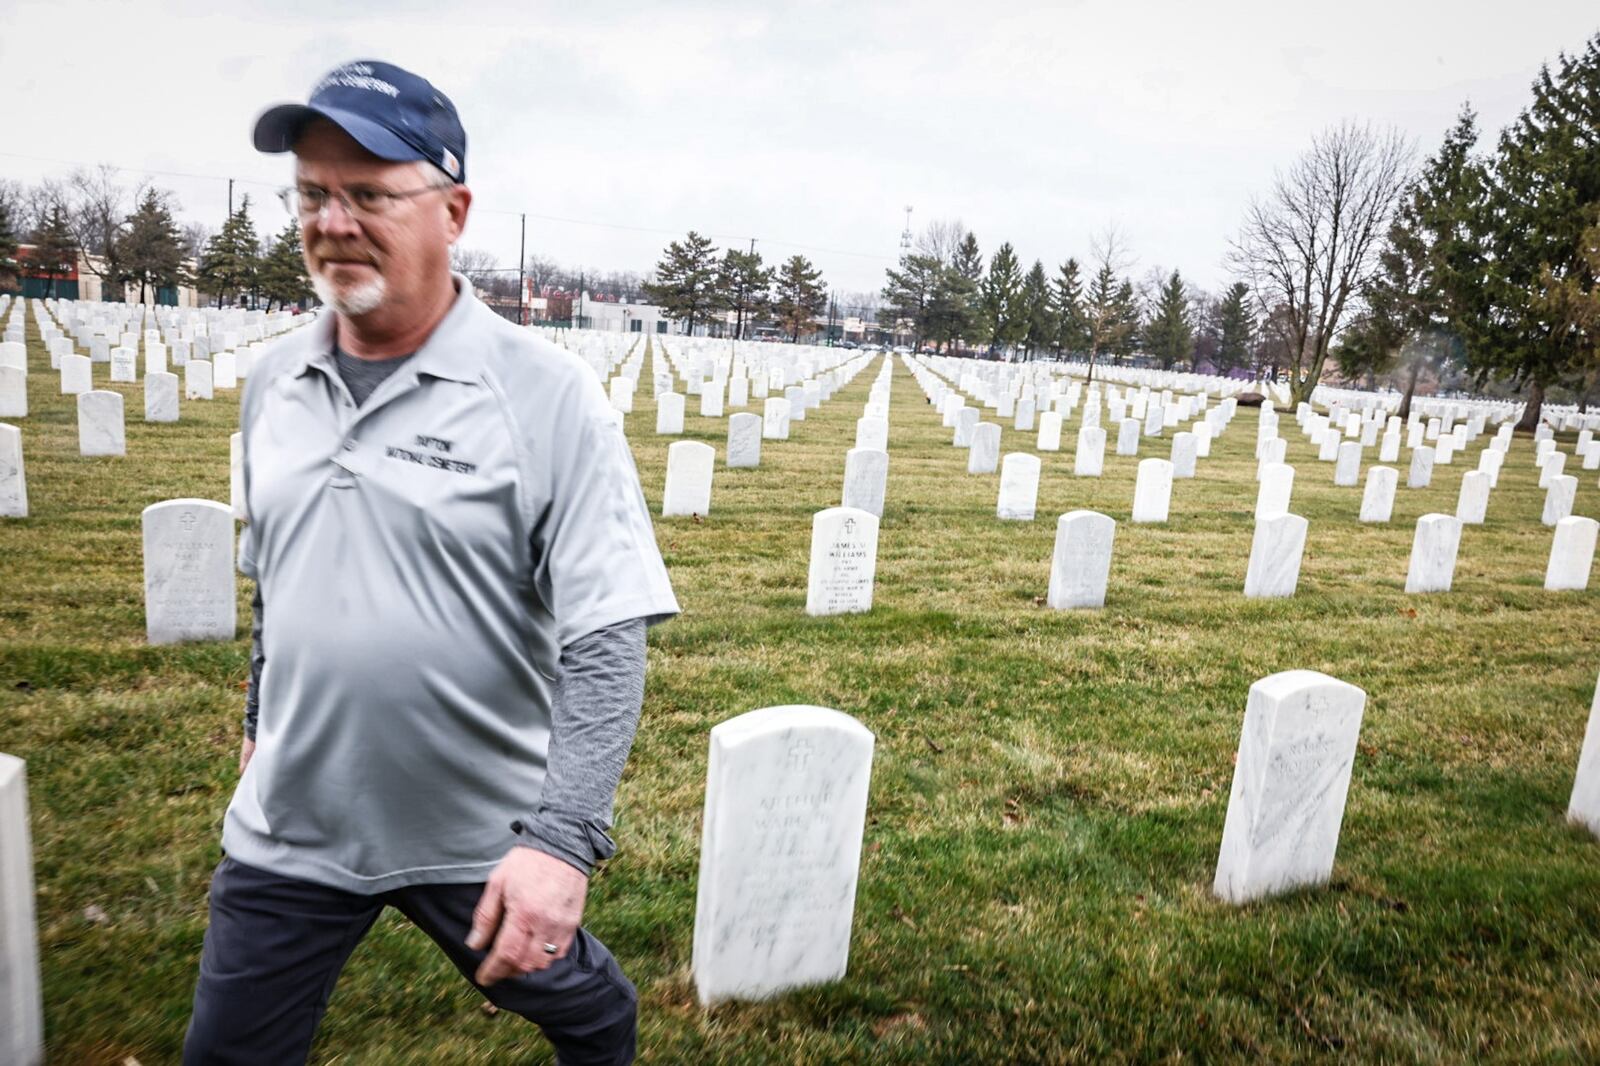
(458, 202)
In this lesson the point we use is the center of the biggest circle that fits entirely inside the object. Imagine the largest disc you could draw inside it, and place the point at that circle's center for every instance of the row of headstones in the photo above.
(1158, 413)
(844, 544)
(737, 391)
(785, 811)
(1155, 410)
(691, 464)
(784, 821)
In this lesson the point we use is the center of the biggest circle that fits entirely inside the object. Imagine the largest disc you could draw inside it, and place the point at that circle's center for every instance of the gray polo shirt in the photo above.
(426, 556)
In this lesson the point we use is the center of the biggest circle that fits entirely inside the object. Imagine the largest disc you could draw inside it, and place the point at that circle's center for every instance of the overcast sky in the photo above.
(809, 127)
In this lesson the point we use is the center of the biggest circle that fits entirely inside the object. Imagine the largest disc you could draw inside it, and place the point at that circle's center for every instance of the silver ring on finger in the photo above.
(550, 949)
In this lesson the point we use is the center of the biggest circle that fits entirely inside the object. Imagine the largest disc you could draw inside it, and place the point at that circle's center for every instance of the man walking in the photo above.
(455, 568)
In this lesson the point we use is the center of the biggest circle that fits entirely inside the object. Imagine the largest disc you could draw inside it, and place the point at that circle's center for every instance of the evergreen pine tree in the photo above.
(283, 277)
(1527, 315)
(1038, 315)
(9, 276)
(1072, 331)
(54, 251)
(1126, 337)
(685, 285)
(1001, 297)
(152, 247)
(232, 258)
(1169, 335)
(742, 286)
(1235, 326)
(965, 288)
(799, 297)
(909, 295)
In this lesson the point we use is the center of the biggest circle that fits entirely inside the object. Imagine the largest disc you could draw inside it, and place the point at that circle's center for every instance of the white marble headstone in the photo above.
(1472, 505)
(1185, 453)
(13, 393)
(689, 467)
(76, 375)
(1275, 553)
(188, 571)
(1421, 468)
(21, 1000)
(1377, 501)
(124, 365)
(1080, 566)
(160, 397)
(1290, 781)
(966, 425)
(1152, 490)
(13, 482)
(1559, 498)
(1090, 458)
(866, 475)
(1584, 807)
(744, 439)
(1571, 553)
(236, 476)
(1273, 495)
(711, 400)
(775, 418)
(1049, 432)
(101, 430)
(669, 413)
(1271, 451)
(984, 455)
(197, 380)
(1019, 487)
(872, 433)
(1128, 436)
(780, 851)
(844, 561)
(225, 372)
(1347, 466)
(1433, 553)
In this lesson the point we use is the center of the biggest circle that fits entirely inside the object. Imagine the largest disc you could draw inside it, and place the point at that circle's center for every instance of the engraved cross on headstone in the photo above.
(799, 755)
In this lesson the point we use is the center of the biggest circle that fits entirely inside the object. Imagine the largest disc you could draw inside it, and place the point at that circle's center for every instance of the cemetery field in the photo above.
(1048, 789)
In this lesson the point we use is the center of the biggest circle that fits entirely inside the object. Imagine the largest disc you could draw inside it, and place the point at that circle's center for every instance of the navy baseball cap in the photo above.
(391, 112)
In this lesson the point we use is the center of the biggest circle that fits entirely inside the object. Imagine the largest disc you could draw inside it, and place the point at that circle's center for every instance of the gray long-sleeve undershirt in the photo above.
(596, 712)
(592, 723)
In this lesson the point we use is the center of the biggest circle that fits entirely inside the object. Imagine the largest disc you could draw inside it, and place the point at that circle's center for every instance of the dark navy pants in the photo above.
(275, 946)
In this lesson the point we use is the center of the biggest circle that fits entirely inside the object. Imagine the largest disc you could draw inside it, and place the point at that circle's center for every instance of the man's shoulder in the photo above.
(531, 370)
(282, 353)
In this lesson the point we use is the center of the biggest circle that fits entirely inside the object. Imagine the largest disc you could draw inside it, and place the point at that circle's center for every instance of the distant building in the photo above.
(620, 317)
(82, 282)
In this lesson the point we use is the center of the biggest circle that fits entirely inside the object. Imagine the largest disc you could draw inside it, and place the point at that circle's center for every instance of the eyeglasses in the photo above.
(361, 201)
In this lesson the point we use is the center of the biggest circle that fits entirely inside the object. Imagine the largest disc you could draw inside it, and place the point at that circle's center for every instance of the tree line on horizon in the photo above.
(127, 235)
(1479, 265)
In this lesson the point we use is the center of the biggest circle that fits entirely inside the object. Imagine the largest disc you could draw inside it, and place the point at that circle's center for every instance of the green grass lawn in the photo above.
(1048, 791)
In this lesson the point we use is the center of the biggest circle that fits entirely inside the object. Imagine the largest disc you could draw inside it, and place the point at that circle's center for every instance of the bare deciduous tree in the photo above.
(1105, 311)
(1310, 244)
(940, 240)
(96, 207)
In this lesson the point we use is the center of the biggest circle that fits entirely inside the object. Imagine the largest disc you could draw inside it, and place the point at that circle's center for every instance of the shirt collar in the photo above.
(442, 355)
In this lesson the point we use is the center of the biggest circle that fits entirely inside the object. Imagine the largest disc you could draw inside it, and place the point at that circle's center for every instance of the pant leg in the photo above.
(273, 950)
(584, 1004)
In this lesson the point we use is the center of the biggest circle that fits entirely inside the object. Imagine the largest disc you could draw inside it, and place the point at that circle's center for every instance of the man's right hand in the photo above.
(247, 749)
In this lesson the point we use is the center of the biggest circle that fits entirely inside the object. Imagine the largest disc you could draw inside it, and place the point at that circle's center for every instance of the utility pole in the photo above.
(230, 197)
(905, 234)
(522, 259)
